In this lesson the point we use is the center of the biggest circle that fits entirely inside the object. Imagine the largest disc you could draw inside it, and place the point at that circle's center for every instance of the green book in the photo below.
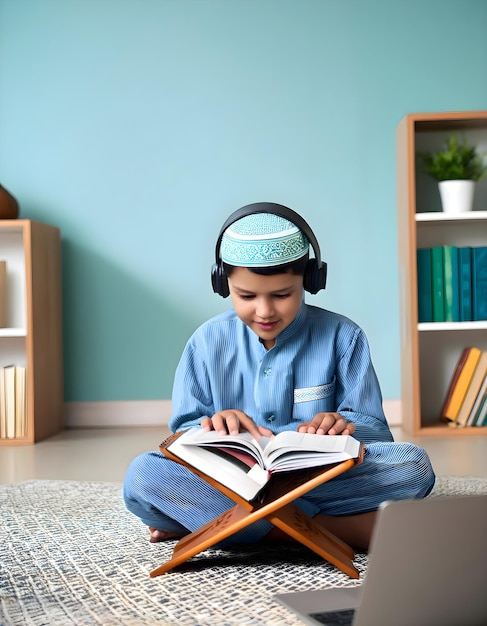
(465, 283)
(481, 419)
(474, 417)
(479, 283)
(425, 298)
(451, 301)
(437, 284)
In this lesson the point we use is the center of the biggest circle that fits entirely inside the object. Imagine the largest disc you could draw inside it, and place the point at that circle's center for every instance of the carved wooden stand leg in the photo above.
(302, 528)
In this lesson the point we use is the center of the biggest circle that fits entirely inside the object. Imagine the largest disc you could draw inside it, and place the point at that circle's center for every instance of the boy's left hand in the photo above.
(327, 424)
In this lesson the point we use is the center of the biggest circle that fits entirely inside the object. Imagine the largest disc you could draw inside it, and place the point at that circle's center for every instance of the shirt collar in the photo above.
(294, 327)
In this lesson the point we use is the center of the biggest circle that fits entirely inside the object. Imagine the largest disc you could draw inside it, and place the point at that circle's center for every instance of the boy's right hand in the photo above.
(231, 422)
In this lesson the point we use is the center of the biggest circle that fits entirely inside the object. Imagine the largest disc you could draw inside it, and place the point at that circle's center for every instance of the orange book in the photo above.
(473, 390)
(453, 382)
(460, 383)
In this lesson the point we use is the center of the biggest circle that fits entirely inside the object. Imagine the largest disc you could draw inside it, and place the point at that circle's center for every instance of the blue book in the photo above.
(481, 419)
(479, 283)
(465, 283)
(437, 283)
(425, 300)
(474, 418)
(451, 301)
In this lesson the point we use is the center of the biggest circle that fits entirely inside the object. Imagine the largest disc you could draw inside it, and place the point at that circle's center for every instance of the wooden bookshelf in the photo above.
(429, 351)
(32, 337)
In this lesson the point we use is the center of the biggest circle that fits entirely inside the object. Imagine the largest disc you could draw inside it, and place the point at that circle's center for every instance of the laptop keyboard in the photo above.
(335, 618)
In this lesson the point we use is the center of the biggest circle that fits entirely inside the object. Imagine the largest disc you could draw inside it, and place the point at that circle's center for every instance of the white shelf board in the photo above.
(13, 332)
(453, 325)
(439, 216)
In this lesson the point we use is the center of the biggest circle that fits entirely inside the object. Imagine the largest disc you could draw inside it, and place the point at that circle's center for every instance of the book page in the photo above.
(244, 442)
(301, 450)
(226, 469)
(247, 460)
(305, 441)
(291, 450)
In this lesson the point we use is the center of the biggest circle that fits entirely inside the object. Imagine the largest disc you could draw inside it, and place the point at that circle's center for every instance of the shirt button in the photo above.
(271, 418)
(267, 371)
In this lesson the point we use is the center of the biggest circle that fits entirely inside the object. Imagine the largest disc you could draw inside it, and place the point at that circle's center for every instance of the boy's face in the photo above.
(266, 304)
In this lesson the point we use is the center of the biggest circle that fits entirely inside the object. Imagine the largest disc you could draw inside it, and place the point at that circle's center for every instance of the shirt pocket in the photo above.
(323, 394)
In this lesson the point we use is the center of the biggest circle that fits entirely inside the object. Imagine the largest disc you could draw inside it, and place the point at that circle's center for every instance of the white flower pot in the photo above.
(456, 195)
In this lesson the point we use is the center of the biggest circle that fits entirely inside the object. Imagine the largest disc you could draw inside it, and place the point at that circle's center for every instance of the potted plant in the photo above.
(456, 167)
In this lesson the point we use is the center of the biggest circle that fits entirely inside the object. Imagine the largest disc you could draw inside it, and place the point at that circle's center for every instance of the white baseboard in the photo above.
(152, 413)
(392, 409)
(119, 413)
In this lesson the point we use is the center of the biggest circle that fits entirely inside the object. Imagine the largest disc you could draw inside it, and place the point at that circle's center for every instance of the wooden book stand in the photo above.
(275, 506)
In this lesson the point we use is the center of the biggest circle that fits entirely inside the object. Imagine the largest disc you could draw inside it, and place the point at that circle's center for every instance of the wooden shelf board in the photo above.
(442, 430)
(18, 441)
(449, 121)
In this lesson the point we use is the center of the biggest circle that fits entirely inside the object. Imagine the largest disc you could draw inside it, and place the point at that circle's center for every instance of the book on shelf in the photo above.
(465, 283)
(3, 407)
(453, 381)
(13, 409)
(459, 383)
(450, 284)
(481, 417)
(3, 294)
(425, 296)
(9, 390)
(478, 377)
(479, 283)
(437, 284)
(474, 417)
(20, 402)
(245, 465)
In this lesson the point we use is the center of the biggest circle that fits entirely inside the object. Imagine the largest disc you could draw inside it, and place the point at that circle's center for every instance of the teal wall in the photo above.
(137, 126)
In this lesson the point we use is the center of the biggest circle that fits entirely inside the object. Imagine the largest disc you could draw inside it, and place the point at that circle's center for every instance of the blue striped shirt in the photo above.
(320, 363)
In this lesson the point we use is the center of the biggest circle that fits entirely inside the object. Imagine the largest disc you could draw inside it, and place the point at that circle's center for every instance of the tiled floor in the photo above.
(104, 454)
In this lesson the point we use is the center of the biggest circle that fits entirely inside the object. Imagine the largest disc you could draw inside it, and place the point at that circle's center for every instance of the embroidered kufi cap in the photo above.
(262, 240)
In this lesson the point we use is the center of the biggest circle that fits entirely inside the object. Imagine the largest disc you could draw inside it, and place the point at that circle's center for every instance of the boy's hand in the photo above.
(231, 422)
(327, 424)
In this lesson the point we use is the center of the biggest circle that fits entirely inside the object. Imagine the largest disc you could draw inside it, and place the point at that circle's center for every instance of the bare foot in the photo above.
(162, 535)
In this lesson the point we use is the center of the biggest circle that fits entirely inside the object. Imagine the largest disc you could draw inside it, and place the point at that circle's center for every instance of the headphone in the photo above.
(314, 277)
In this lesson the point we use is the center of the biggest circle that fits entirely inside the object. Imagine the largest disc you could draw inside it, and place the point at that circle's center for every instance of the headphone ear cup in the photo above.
(314, 278)
(219, 280)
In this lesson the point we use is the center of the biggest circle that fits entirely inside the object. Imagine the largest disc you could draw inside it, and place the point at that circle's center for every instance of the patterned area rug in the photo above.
(70, 554)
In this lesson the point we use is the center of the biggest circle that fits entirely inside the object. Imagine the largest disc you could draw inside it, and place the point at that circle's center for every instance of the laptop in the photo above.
(427, 567)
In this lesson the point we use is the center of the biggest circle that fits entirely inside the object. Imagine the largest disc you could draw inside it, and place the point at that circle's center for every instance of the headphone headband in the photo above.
(314, 277)
(275, 209)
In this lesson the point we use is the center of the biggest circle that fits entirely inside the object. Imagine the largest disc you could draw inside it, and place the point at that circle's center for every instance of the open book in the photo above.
(245, 464)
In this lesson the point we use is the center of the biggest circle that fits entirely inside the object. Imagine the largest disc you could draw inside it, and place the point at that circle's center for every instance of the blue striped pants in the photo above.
(167, 496)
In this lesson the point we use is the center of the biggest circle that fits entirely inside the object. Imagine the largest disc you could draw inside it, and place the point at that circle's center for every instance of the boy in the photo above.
(274, 363)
